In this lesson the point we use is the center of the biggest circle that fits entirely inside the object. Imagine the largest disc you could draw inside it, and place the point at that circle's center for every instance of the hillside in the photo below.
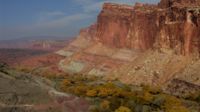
(140, 44)
(24, 92)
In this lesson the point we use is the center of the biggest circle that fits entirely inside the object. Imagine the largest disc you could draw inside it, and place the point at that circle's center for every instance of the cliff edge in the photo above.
(172, 24)
(140, 44)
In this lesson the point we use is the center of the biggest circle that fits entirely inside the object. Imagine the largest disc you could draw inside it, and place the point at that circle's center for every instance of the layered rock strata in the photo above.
(165, 26)
(140, 44)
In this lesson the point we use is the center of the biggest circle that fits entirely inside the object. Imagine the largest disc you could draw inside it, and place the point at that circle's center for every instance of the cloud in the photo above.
(63, 26)
(55, 13)
(63, 21)
(48, 16)
(85, 1)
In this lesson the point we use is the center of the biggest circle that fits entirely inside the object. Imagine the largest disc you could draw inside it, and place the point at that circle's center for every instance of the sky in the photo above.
(58, 18)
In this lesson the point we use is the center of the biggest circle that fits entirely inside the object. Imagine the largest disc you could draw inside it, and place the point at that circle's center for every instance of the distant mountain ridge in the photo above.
(44, 42)
(44, 38)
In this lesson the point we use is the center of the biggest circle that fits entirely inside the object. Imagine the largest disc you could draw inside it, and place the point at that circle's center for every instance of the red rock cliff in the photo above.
(169, 3)
(113, 24)
(172, 24)
(179, 27)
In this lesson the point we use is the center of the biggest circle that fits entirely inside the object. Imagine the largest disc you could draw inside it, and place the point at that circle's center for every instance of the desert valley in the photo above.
(134, 58)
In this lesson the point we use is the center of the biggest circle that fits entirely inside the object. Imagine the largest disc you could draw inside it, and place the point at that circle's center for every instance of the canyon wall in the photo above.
(111, 47)
(170, 25)
(169, 3)
(179, 27)
(113, 24)
(143, 27)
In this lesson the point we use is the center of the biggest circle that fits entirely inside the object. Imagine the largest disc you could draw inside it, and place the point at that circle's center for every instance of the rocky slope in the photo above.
(23, 92)
(140, 44)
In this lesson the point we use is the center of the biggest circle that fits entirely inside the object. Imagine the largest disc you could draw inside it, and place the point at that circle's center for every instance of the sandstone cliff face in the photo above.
(89, 33)
(169, 3)
(113, 24)
(126, 26)
(143, 27)
(179, 30)
(170, 25)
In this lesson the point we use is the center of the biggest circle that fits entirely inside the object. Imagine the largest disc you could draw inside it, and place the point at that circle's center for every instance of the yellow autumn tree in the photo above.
(91, 93)
(173, 104)
(123, 109)
(64, 84)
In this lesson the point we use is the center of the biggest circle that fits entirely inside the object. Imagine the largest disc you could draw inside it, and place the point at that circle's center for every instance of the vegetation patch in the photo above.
(117, 97)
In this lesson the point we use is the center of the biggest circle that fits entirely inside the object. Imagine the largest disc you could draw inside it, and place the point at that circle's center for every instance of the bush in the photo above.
(64, 84)
(123, 109)
(159, 100)
(80, 90)
(23, 69)
(91, 93)
(105, 104)
(173, 104)
(104, 92)
(198, 98)
(177, 109)
(147, 97)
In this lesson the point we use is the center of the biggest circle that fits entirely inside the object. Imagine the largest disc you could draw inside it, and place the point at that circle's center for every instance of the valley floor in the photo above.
(24, 92)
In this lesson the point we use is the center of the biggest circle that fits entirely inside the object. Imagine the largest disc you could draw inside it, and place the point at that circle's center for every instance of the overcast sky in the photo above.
(62, 18)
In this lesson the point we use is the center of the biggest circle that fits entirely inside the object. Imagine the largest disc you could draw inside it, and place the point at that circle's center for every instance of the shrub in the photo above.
(104, 92)
(114, 102)
(194, 96)
(173, 104)
(80, 90)
(159, 100)
(91, 93)
(177, 109)
(147, 97)
(198, 98)
(105, 104)
(123, 109)
(23, 69)
(94, 109)
(64, 84)
(152, 90)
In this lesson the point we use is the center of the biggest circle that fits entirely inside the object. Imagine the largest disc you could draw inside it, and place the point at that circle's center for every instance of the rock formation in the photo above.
(172, 24)
(169, 3)
(149, 44)
(113, 24)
